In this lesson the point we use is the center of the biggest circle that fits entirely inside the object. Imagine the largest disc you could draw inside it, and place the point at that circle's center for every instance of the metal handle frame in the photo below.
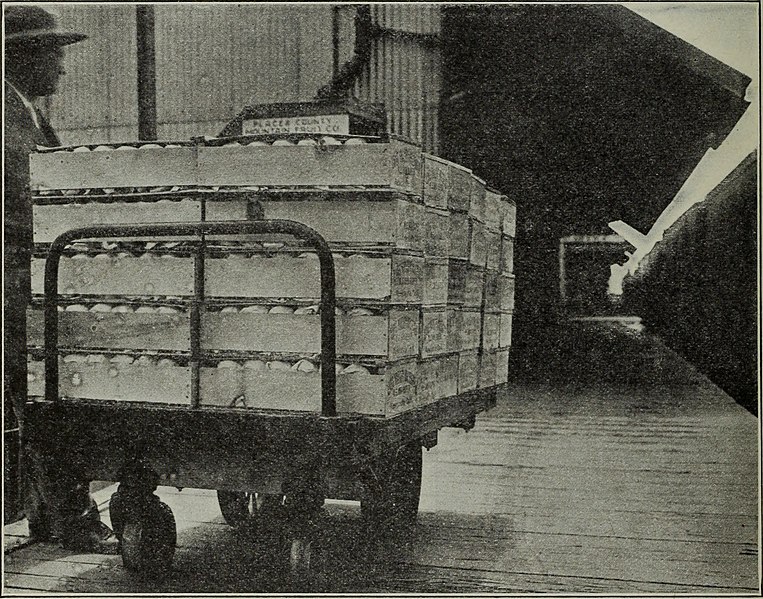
(298, 230)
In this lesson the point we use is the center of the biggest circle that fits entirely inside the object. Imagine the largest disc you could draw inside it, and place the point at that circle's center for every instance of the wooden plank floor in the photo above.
(575, 488)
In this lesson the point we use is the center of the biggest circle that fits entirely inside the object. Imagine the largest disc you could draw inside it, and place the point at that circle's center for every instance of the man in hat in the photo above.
(57, 501)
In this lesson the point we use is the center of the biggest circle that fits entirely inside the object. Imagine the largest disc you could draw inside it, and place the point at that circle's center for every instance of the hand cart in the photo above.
(251, 457)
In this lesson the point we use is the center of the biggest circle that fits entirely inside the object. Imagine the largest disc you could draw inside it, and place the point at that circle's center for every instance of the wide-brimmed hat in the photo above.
(32, 24)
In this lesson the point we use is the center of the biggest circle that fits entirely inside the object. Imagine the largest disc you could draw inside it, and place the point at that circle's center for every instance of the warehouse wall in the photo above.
(214, 59)
(405, 72)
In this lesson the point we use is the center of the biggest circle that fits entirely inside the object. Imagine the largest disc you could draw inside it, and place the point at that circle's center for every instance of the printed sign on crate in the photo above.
(337, 124)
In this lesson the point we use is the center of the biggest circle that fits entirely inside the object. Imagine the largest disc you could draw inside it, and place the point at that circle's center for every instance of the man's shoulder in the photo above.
(19, 129)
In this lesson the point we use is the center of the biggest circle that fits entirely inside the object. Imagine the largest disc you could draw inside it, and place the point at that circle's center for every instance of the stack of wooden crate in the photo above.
(422, 250)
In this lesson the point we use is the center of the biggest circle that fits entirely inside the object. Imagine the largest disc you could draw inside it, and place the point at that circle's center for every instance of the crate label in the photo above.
(407, 279)
(434, 333)
(405, 166)
(338, 124)
(403, 333)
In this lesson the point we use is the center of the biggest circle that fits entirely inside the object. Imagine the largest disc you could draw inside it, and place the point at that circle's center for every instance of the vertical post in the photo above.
(562, 274)
(335, 40)
(198, 308)
(144, 20)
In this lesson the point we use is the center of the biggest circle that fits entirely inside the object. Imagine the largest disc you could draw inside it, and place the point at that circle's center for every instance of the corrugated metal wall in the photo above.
(97, 100)
(213, 59)
(405, 70)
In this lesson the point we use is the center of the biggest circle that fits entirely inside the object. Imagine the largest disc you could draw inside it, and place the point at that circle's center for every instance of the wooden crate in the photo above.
(460, 191)
(391, 336)
(436, 175)
(87, 330)
(112, 169)
(436, 233)
(390, 392)
(507, 255)
(488, 365)
(51, 220)
(492, 250)
(396, 165)
(477, 199)
(457, 270)
(505, 324)
(395, 278)
(149, 275)
(458, 238)
(116, 382)
(501, 366)
(468, 368)
(464, 328)
(435, 282)
(492, 210)
(477, 243)
(434, 332)
(499, 292)
(386, 219)
(509, 218)
(438, 378)
(506, 292)
(474, 287)
(490, 331)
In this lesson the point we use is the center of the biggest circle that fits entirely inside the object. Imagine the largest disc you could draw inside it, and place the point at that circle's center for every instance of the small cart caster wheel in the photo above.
(117, 512)
(148, 541)
(236, 507)
(300, 558)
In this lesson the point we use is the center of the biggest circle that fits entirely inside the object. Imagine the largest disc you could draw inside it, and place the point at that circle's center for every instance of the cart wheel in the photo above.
(394, 489)
(148, 540)
(236, 507)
